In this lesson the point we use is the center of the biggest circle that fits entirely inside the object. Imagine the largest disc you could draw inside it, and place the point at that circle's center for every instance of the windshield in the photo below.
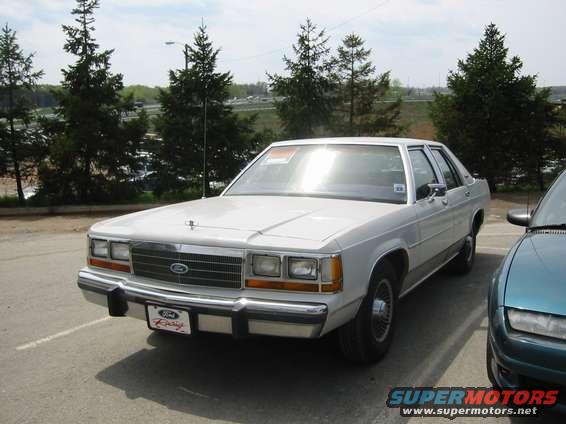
(552, 208)
(358, 172)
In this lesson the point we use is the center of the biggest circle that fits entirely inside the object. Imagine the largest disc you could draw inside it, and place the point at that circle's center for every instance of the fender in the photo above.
(397, 245)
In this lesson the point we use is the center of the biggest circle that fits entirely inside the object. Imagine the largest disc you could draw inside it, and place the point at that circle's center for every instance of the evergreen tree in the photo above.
(230, 140)
(92, 151)
(17, 81)
(494, 118)
(307, 103)
(359, 92)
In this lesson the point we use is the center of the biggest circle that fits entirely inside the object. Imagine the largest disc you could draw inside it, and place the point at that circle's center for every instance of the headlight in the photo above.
(267, 266)
(99, 248)
(537, 323)
(120, 251)
(303, 269)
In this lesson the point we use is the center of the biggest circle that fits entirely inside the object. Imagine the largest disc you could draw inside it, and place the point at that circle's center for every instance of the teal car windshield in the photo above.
(342, 171)
(552, 208)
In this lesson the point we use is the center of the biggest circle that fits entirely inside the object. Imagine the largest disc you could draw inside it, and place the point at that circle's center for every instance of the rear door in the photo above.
(435, 223)
(457, 194)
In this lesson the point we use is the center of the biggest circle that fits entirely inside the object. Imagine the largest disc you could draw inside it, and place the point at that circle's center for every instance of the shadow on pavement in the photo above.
(284, 380)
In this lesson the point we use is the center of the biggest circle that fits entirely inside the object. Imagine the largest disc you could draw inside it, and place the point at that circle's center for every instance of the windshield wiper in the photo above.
(549, 227)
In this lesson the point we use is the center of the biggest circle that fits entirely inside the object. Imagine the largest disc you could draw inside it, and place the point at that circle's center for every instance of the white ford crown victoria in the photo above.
(312, 236)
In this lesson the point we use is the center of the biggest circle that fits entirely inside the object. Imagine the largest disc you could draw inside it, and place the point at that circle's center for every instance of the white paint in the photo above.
(184, 389)
(482, 234)
(433, 362)
(503, 249)
(36, 343)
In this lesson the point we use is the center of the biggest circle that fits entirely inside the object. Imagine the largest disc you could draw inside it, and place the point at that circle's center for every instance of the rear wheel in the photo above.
(368, 336)
(464, 261)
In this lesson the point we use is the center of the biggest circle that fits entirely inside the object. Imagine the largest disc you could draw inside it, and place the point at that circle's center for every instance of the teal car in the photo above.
(526, 343)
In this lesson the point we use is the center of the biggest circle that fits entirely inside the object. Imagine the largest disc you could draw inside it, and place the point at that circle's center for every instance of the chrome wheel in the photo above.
(382, 310)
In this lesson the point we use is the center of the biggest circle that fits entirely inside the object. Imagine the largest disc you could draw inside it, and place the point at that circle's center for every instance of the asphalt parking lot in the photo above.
(62, 360)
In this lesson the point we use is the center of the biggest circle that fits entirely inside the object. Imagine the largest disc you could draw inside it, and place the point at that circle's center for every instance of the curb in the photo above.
(79, 209)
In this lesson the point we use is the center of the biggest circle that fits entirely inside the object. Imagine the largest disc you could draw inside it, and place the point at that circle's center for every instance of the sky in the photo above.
(419, 41)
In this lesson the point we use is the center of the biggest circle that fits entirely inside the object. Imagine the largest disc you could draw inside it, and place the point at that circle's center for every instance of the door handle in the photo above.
(445, 202)
(467, 193)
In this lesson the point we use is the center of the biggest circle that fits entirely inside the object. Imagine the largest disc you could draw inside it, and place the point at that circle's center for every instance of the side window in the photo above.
(423, 171)
(450, 175)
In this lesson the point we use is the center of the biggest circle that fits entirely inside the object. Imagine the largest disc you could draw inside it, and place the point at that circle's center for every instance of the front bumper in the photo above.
(237, 316)
(526, 361)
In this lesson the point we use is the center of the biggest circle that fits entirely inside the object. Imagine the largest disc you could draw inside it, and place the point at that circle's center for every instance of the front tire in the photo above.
(368, 336)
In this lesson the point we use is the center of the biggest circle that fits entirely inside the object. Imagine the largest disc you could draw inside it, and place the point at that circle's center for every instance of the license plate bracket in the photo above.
(169, 319)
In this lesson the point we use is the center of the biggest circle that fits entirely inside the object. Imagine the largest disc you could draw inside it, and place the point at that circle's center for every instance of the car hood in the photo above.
(537, 277)
(245, 220)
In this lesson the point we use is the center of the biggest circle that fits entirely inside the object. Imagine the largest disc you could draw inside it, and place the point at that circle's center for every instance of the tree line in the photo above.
(493, 116)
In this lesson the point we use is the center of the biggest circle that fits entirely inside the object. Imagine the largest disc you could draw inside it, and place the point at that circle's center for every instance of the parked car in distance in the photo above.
(526, 344)
(311, 237)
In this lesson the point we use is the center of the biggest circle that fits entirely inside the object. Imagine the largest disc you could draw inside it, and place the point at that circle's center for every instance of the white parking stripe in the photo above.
(499, 234)
(423, 376)
(505, 249)
(36, 343)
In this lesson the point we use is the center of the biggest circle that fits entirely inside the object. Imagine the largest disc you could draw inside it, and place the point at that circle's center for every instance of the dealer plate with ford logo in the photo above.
(168, 319)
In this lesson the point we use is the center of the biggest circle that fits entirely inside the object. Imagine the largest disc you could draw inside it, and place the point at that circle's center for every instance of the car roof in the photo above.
(392, 141)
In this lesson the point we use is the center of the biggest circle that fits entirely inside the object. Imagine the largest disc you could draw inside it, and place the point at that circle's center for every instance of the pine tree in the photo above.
(360, 91)
(92, 152)
(230, 140)
(17, 81)
(307, 90)
(495, 119)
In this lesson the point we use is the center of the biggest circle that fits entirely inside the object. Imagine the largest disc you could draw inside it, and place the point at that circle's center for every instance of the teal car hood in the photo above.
(537, 277)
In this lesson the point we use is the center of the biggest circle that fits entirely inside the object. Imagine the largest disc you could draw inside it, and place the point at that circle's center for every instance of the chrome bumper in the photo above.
(239, 317)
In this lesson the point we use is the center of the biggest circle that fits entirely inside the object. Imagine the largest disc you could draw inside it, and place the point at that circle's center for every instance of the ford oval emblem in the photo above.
(167, 314)
(178, 268)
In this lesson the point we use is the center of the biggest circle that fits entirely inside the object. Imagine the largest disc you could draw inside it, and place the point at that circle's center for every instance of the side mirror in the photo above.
(436, 190)
(519, 217)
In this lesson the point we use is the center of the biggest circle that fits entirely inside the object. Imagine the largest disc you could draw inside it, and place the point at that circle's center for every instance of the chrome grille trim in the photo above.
(208, 266)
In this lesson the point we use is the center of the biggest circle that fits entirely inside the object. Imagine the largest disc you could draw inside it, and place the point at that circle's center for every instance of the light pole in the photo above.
(186, 53)
(204, 182)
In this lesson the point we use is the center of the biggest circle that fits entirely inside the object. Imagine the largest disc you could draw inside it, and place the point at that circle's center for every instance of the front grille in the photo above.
(556, 231)
(153, 260)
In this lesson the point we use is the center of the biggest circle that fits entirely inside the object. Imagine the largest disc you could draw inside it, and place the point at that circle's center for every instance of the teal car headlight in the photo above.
(537, 323)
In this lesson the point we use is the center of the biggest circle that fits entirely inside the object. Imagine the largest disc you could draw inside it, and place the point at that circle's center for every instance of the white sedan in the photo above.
(313, 236)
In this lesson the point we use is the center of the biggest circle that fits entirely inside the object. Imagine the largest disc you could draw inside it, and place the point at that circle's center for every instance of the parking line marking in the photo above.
(433, 363)
(498, 234)
(36, 343)
(506, 249)
(184, 389)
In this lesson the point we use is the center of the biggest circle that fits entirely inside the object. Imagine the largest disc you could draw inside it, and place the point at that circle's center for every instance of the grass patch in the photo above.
(414, 118)
(266, 119)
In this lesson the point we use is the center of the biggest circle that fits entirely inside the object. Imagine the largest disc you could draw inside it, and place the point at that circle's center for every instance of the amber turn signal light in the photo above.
(281, 285)
(332, 275)
(109, 265)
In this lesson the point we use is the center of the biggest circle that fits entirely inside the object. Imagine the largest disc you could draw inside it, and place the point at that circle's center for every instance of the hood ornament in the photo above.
(190, 223)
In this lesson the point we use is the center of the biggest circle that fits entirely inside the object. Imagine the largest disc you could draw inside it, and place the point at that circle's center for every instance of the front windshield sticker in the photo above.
(399, 188)
(279, 156)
